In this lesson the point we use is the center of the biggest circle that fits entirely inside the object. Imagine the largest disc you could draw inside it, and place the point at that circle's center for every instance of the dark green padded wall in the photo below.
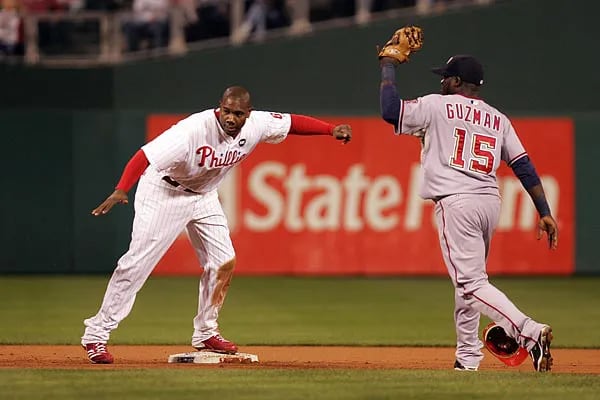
(103, 143)
(587, 183)
(539, 57)
(40, 88)
(37, 188)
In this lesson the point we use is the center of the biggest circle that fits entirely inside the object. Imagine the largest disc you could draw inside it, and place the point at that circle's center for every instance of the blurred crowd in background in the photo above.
(146, 24)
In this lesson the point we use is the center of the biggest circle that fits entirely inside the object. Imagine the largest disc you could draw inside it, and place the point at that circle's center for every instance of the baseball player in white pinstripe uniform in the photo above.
(179, 173)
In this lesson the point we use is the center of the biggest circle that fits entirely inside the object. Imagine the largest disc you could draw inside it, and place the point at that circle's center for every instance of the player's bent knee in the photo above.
(228, 266)
(224, 275)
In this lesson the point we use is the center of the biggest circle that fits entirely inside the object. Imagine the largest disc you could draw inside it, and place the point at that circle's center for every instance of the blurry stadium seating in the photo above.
(90, 32)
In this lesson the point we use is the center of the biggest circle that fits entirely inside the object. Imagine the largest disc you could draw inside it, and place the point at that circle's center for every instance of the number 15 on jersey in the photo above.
(481, 156)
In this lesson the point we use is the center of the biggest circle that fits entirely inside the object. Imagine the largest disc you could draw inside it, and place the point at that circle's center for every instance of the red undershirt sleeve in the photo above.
(304, 125)
(133, 170)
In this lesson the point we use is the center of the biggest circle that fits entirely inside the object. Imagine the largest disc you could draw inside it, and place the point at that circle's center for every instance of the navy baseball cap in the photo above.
(465, 67)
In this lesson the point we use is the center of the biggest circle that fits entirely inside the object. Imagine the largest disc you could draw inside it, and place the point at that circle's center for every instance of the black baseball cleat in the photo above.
(540, 353)
(459, 367)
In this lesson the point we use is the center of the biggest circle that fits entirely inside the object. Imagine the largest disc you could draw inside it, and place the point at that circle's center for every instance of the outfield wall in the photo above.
(70, 132)
(312, 206)
(47, 226)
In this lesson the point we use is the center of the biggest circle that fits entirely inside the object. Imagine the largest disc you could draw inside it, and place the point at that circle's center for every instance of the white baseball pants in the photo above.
(162, 212)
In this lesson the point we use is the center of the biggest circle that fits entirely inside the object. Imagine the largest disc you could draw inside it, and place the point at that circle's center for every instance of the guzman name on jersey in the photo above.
(473, 115)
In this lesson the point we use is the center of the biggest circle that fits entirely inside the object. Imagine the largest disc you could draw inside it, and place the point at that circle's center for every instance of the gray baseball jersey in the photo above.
(463, 140)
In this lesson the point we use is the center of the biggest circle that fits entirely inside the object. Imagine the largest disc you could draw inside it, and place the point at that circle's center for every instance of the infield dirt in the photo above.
(439, 358)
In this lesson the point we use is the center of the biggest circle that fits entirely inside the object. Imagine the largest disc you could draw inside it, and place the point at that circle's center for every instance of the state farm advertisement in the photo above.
(312, 206)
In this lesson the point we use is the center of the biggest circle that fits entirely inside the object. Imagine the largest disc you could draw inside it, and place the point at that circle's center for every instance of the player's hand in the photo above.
(548, 224)
(118, 196)
(343, 133)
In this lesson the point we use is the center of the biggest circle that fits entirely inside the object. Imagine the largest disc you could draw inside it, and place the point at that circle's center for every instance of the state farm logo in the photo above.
(285, 196)
(209, 158)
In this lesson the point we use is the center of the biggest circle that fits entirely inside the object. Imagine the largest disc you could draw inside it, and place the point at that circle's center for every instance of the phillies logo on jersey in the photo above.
(210, 159)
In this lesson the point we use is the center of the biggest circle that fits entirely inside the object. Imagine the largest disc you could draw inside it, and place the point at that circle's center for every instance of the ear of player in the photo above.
(404, 41)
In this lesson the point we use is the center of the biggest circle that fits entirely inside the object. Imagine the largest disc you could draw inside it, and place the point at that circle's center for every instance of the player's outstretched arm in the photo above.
(305, 125)
(118, 196)
(525, 171)
(132, 172)
(548, 224)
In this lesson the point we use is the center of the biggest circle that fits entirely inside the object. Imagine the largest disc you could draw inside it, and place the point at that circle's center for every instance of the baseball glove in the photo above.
(404, 41)
(502, 346)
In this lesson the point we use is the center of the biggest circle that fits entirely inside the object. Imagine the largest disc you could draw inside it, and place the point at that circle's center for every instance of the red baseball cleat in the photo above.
(98, 353)
(218, 344)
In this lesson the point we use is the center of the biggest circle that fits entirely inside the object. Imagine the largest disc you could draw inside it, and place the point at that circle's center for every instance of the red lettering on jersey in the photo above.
(459, 111)
(482, 146)
(204, 152)
(211, 160)
(449, 111)
(487, 122)
(457, 159)
(476, 116)
(472, 115)
(484, 158)
(276, 115)
(468, 116)
(497, 123)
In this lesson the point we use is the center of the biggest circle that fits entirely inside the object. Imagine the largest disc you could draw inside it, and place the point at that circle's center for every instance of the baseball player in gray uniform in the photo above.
(463, 141)
(179, 173)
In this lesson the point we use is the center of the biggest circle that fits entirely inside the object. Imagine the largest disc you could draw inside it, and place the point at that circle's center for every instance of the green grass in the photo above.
(280, 310)
(267, 384)
(276, 310)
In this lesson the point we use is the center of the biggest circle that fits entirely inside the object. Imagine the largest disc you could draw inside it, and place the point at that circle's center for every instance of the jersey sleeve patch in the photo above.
(413, 117)
(275, 126)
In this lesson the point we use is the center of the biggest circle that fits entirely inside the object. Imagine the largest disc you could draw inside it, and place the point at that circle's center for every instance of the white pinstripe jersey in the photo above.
(197, 153)
(463, 140)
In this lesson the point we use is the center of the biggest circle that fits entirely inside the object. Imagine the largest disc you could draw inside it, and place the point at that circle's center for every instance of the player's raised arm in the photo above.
(389, 100)
(132, 172)
(524, 170)
(396, 51)
(305, 125)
